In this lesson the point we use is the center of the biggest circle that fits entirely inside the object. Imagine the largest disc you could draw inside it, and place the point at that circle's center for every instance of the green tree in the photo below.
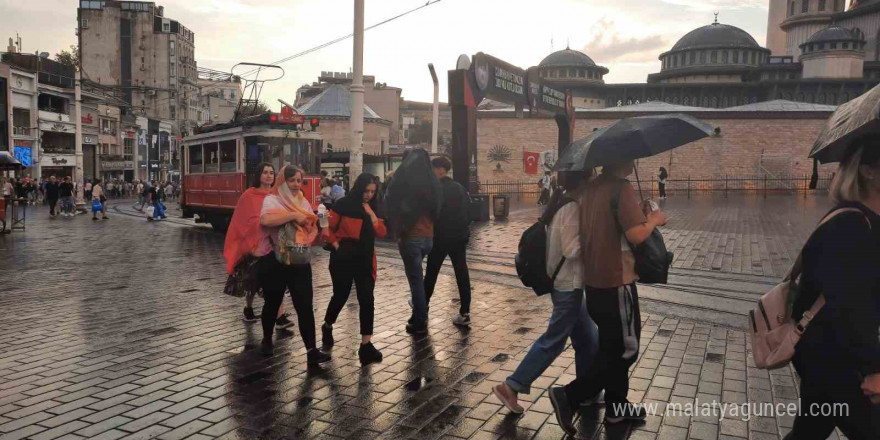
(69, 57)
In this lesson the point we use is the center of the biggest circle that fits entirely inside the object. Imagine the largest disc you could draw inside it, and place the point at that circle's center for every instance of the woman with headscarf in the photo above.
(354, 227)
(289, 228)
(413, 202)
(242, 240)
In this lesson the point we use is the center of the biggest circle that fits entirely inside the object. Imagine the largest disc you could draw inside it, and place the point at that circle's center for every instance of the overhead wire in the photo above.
(327, 44)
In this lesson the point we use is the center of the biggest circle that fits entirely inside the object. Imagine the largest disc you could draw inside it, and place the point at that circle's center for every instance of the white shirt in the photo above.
(563, 239)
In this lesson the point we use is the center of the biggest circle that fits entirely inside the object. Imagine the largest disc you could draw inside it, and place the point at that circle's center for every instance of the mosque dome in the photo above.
(716, 35)
(567, 58)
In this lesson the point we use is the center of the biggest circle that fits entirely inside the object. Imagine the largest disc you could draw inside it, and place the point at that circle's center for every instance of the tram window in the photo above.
(227, 156)
(212, 159)
(195, 159)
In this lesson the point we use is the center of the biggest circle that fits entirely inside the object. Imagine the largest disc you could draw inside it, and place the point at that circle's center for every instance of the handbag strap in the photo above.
(797, 267)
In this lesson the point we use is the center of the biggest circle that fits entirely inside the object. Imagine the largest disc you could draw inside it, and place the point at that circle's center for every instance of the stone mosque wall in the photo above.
(782, 142)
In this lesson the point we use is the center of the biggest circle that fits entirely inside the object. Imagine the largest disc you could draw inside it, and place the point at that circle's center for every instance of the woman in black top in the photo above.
(661, 183)
(838, 357)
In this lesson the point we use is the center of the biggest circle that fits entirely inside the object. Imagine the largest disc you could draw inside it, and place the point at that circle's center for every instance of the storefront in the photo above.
(58, 165)
(90, 158)
(117, 169)
(23, 151)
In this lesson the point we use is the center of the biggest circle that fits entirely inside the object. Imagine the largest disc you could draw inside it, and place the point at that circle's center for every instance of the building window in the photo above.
(846, 45)
(171, 48)
(821, 5)
(690, 58)
(834, 45)
(838, 5)
(805, 6)
(724, 57)
(173, 69)
(791, 9)
(735, 59)
(108, 126)
(714, 58)
(128, 147)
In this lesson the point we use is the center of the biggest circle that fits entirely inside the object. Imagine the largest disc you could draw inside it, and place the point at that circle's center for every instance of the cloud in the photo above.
(707, 5)
(607, 45)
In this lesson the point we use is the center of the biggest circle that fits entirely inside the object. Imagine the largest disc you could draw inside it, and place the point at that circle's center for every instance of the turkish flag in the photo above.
(530, 162)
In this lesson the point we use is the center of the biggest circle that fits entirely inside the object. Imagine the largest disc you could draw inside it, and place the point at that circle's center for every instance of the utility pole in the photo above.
(435, 114)
(356, 158)
(77, 110)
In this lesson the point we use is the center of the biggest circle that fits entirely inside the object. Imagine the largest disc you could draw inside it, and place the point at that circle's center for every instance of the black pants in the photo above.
(616, 313)
(662, 188)
(52, 203)
(274, 278)
(823, 393)
(457, 252)
(345, 270)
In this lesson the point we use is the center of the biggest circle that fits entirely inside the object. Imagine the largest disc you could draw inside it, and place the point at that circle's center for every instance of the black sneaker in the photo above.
(248, 315)
(562, 409)
(315, 357)
(618, 412)
(417, 329)
(267, 348)
(283, 321)
(368, 354)
(327, 336)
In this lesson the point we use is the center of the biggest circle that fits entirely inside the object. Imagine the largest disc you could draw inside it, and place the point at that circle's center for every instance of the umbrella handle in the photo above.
(638, 182)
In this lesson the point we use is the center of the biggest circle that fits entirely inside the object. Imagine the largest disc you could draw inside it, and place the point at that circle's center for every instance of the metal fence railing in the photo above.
(758, 184)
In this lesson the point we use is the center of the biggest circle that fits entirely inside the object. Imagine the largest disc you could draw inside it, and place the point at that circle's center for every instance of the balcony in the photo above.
(21, 131)
(47, 115)
(58, 149)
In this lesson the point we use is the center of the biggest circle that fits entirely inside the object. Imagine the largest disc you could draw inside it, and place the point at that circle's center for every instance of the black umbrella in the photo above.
(851, 120)
(8, 162)
(631, 139)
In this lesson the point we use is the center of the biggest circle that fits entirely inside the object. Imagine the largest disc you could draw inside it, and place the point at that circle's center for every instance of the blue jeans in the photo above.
(413, 252)
(569, 318)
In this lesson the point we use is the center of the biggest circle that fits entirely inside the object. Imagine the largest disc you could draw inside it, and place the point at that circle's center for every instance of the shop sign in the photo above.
(88, 119)
(129, 135)
(117, 165)
(23, 153)
(60, 127)
(500, 80)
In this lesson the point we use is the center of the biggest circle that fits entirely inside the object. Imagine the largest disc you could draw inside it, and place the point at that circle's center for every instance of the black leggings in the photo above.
(344, 270)
(274, 278)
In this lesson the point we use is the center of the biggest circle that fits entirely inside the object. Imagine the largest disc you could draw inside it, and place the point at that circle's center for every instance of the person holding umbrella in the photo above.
(612, 228)
(838, 356)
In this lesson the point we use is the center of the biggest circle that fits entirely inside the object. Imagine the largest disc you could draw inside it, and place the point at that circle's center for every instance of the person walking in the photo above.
(612, 298)
(8, 190)
(87, 189)
(414, 197)
(68, 207)
(141, 196)
(451, 235)
(52, 193)
(242, 239)
(569, 317)
(155, 196)
(290, 228)
(98, 194)
(661, 183)
(838, 356)
(352, 232)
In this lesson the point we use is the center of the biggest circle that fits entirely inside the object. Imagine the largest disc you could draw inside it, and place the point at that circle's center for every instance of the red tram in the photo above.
(220, 161)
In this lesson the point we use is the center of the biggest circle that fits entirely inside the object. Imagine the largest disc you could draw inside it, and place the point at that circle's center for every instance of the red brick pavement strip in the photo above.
(122, 324)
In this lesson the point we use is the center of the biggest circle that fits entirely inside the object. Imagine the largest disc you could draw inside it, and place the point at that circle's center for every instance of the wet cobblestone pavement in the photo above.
(119, 329)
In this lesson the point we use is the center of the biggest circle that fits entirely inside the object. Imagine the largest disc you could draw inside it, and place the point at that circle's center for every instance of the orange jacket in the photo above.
(349, 228)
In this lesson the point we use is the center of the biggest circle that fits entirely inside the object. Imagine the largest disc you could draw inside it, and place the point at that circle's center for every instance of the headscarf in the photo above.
(414, 191)
(305, 234)
(243, 235)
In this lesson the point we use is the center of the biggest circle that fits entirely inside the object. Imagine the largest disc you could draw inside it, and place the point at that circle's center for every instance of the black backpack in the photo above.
(531, 257)
(652, 258)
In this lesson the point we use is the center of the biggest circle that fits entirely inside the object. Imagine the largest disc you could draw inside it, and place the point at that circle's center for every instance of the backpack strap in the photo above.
(797, 267)
(565, 201)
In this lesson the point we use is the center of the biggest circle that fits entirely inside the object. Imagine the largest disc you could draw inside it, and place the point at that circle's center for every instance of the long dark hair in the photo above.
(414, 191)
(260, 168)
(360, 187)
(663, 173)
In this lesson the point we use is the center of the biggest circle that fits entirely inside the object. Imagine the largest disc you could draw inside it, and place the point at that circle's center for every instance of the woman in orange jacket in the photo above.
(351, 235)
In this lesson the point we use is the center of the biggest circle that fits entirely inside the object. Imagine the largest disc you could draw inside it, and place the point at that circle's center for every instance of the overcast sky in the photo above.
(624, 35)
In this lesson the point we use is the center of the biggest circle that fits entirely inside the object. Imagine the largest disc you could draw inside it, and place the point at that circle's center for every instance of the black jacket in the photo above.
(452, 225)
(840, 260)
